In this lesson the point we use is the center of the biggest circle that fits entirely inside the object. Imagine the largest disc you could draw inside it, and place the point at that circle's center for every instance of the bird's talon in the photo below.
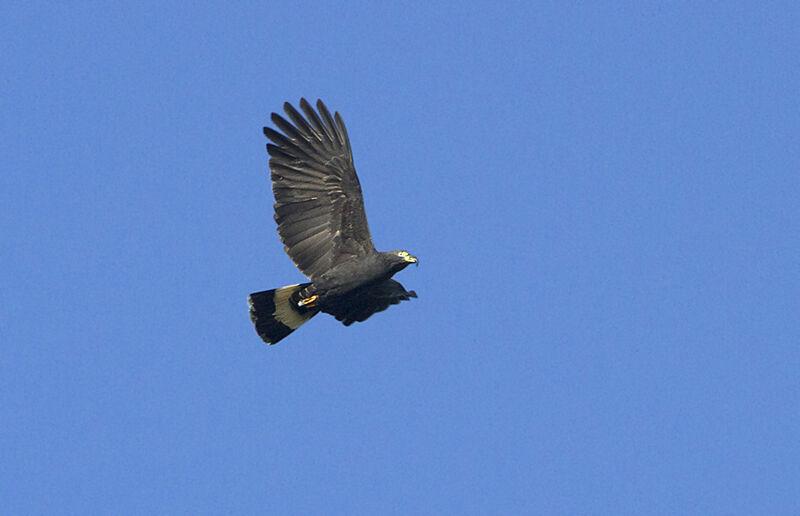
(308, 302)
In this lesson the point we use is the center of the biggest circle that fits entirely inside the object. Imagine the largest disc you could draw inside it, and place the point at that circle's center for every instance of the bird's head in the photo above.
(399, 260)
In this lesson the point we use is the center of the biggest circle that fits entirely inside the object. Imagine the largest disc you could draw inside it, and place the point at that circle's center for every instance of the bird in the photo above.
(319, 210)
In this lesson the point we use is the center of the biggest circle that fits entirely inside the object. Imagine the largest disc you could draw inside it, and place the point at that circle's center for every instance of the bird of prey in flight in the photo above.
(319, 209)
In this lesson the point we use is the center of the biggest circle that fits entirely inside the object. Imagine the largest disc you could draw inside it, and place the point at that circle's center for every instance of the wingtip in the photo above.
(274, 136)
(276, 118)
(304, 105)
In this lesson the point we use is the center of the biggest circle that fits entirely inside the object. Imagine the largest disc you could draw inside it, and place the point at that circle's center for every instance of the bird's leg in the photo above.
(308, 302)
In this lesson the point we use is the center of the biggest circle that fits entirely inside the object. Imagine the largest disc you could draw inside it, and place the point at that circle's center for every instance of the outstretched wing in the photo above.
(361, 304)
(318, 203)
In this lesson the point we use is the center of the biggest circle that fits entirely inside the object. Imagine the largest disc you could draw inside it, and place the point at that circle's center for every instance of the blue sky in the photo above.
(604, 201)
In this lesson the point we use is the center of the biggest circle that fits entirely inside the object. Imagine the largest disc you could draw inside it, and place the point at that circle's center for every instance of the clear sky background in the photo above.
(604, 199)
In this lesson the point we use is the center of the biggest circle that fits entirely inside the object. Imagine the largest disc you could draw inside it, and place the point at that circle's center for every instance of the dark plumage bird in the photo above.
(321, 221)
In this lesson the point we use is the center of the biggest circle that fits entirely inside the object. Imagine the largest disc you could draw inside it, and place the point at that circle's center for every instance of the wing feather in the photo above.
(319, 206)
(321, 132)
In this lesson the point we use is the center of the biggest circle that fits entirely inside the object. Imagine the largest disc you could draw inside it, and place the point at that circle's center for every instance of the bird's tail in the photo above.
(276, 314)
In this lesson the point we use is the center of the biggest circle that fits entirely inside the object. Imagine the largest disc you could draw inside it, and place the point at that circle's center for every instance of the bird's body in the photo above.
(357, 272)
(319, 209)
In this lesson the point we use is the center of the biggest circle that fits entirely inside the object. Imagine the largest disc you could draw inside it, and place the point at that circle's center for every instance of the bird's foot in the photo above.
(309, 302)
